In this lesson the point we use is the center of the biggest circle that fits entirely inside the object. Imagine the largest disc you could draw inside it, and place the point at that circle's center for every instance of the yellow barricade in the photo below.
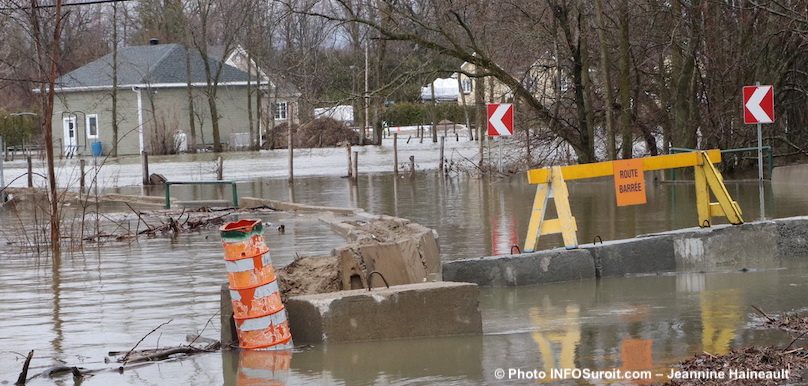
(551, 183)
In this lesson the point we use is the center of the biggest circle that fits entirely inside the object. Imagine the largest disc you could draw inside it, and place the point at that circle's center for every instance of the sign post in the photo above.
(500, 123)
(2, 177)
(758, 108)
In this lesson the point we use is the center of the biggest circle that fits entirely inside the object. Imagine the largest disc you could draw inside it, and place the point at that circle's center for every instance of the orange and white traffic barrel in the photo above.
(259, 313)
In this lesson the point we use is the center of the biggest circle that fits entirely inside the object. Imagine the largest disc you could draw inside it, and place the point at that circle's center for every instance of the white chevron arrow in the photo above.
(753, 105)
(496, 119)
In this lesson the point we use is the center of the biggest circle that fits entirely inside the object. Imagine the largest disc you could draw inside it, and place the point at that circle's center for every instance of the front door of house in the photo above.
(70, 135)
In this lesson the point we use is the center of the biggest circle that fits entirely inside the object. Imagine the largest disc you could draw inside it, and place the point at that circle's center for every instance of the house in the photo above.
(154, 102)
(281, 97)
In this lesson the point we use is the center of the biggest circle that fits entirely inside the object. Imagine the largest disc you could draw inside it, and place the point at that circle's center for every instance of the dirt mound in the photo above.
(321, 132)
(309, 275)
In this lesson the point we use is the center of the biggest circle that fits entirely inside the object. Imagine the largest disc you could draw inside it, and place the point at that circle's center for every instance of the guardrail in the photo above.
(231, 183)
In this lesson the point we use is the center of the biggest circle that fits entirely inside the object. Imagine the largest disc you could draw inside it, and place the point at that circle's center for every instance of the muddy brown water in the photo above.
(106, 299)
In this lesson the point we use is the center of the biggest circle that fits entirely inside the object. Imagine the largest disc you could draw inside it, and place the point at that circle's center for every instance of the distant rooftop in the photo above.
(149, 64)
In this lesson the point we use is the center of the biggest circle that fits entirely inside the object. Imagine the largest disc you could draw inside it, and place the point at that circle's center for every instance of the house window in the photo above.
(280, 110)
(92, 126)
(466, 86)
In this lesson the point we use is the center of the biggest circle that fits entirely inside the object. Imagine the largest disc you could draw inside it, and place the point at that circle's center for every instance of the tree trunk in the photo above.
(607, 80)
(191, 117)
(627, 145)
(114, 152)
(249, 102)
(479, 101)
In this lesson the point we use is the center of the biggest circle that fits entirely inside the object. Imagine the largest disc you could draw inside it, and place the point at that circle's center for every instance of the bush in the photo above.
(18, 129)
(321, 132)
(410, 114)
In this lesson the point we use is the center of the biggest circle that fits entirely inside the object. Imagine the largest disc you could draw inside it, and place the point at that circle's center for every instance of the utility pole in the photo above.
(367, 96)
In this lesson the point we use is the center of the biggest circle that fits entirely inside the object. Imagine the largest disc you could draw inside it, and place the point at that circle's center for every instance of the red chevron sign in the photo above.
(758, 104)
(500, 119)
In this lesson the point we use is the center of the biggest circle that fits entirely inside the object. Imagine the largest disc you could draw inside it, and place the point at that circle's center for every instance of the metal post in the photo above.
(760, 168)
(235, 195)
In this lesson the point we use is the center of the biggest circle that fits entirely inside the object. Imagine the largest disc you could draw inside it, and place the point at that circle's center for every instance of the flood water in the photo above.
(106, 299)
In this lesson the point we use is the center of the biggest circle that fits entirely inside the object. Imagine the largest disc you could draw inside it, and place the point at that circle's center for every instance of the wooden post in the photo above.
(81, 171)
(220, 169)
(144, 158)
(412, 165)
(356, 166)
(421, 134)
(442, 141)
(291, 154)
(350, 168)
(395, 153)
(30, 172)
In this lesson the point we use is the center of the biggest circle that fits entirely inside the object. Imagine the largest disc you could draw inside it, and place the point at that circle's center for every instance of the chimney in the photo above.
(154, 41)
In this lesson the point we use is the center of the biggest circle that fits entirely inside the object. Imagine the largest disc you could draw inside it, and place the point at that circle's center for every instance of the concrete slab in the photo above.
(750, 245)
(524, 269)
(792, 238)
(633, 256)
(405, 311)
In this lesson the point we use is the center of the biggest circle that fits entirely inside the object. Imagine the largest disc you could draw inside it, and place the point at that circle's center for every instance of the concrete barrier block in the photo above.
(405, 311)
(528, 268)
(229, 338)
(750, 245)
(633, 256)
(792, 238)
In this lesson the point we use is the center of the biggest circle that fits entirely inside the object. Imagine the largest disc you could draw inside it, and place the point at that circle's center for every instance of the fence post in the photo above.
(412, 165)
(291, 153)
(81, 171)
(356, 166)
(30, 172)
(442, 141)
(350, 168)
(220, 169)
(144, 158)
(395, 153)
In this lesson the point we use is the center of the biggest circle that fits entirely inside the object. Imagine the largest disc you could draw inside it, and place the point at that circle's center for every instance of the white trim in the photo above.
(87, 126)
(139, 117)
(74, 143)
(276, 110)
(152, 85)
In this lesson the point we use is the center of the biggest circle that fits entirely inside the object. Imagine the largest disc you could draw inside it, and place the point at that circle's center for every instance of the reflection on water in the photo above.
(720, 317)
(263, 367)
(565, 337)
